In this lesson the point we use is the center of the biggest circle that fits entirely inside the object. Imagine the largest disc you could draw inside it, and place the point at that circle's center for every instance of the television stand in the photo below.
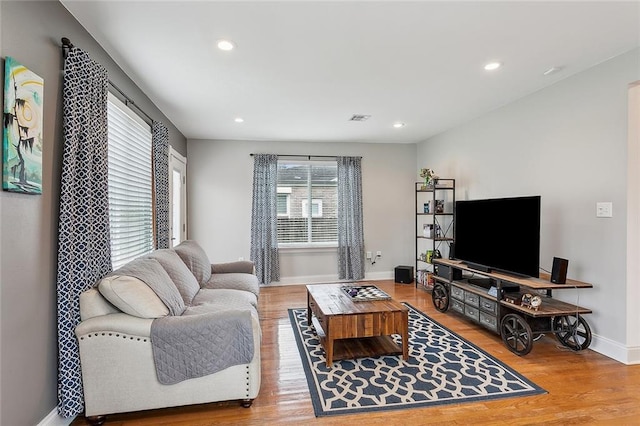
(512, 311)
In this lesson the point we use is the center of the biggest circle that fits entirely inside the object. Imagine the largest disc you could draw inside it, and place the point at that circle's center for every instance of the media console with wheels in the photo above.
(518, 309)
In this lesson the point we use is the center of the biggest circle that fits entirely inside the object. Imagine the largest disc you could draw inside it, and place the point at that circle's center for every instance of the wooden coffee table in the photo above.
(349, 330)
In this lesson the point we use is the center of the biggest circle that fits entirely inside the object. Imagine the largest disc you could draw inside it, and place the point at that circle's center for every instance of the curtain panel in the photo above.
(350, 229)
(84, 253)
(264, 218)
(160, 144)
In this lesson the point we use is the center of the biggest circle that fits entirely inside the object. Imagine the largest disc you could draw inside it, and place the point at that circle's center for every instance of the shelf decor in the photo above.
(22, 123)
(429, 176)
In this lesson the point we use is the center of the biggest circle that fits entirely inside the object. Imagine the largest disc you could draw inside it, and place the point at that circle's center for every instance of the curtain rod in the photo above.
(305, 155)
(66, 45)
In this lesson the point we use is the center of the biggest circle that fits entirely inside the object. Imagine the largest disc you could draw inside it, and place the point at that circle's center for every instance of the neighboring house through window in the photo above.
(284, 201)
(303, 185)
(130, 184)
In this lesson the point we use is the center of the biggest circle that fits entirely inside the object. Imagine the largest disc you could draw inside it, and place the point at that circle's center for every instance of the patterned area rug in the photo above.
(442, 368)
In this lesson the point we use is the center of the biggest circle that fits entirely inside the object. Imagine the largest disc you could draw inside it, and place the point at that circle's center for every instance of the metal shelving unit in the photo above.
(435, 228)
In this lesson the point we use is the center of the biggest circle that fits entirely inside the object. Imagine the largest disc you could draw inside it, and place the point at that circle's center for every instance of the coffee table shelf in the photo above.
(358, 347)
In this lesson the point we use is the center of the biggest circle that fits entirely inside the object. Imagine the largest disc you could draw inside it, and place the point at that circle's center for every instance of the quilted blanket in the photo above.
(190, 346)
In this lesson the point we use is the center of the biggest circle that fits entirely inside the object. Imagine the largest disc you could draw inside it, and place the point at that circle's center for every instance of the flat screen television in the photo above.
(501, 234)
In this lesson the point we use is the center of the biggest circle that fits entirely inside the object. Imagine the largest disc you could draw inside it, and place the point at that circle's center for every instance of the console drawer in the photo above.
(488, 305)
(489, 321)
(471, 299)
(457, 292)
(457, 305)
(471, 312)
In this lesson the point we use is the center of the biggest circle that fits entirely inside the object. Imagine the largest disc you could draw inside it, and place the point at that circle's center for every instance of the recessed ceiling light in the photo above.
(492, 66)
(398, 125)
(239, 120)
(225, 45)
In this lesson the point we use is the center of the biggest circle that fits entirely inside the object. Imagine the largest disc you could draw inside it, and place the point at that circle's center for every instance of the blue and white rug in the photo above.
(442, 368)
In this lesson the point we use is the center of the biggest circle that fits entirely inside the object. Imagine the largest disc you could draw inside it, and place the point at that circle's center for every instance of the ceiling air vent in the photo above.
(359, 117)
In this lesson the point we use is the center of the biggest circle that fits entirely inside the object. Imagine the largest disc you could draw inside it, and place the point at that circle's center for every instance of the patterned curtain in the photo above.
(264, 218)
(350, 234)
(160, 141)
(84, 253)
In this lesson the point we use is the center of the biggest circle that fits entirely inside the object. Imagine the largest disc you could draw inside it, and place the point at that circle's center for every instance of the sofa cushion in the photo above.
(236, 281)
(181, 276)
(153, 274)
(222, 299)
(132, 296)
(196, 260)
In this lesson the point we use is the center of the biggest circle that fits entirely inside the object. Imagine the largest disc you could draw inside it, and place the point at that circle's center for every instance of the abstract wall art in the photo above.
(22, 125)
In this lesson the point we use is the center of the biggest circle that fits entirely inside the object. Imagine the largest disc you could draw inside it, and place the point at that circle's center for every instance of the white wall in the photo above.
(219, 181)
(567, 143)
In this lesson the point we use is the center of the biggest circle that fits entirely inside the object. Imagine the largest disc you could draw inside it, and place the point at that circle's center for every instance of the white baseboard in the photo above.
(634, 355)
(615, 350)
(317, 279)
(55, 419)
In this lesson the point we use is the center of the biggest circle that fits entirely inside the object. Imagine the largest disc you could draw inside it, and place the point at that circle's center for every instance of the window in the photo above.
(284, 202)
(316, 208)
(130, 183)
(303, 185)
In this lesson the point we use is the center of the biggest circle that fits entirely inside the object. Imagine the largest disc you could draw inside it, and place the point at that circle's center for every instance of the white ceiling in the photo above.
(301, 69)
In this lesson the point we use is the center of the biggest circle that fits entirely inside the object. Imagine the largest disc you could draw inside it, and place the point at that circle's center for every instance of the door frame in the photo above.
(178, 162)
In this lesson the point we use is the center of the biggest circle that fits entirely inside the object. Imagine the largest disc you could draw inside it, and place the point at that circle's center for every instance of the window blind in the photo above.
(130, 183)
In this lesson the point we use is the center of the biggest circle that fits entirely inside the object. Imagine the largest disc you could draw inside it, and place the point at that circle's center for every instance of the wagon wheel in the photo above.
(440, 297)
(516, 334)
(572, 331)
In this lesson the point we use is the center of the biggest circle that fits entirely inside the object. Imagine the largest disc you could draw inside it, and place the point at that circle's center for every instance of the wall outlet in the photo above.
(604, 209)
(368, 255)
(241, 258)
(379, 253)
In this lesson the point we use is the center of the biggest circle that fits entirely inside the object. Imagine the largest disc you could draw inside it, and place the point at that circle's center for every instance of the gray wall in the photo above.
(567, 143)
(28, 223)
(219, 176)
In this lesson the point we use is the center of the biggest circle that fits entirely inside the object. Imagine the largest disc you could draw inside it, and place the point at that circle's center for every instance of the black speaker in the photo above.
(559, 270)
(404, 274)
(452, 251)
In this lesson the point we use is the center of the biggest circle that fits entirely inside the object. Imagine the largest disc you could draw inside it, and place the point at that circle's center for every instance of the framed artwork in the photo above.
(22, 125)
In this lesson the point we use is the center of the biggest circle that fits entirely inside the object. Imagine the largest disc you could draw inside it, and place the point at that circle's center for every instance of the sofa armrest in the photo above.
(240, 266)
(120, 323)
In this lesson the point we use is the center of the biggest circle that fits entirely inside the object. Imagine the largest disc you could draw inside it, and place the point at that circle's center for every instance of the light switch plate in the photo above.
(604, 209)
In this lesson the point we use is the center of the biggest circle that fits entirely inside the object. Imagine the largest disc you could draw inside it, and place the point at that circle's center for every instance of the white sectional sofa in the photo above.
(217, 358)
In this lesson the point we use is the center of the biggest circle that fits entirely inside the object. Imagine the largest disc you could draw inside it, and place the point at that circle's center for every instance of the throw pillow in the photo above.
(132, 296)
(153, 274)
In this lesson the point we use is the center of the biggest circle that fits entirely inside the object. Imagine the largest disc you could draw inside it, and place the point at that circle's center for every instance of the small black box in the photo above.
(404, 274)
(443, 271)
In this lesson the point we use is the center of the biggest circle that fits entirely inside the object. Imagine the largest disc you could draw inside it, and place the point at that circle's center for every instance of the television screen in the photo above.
(500, 234)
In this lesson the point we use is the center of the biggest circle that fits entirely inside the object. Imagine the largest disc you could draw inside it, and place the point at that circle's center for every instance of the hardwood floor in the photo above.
(583, 387)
